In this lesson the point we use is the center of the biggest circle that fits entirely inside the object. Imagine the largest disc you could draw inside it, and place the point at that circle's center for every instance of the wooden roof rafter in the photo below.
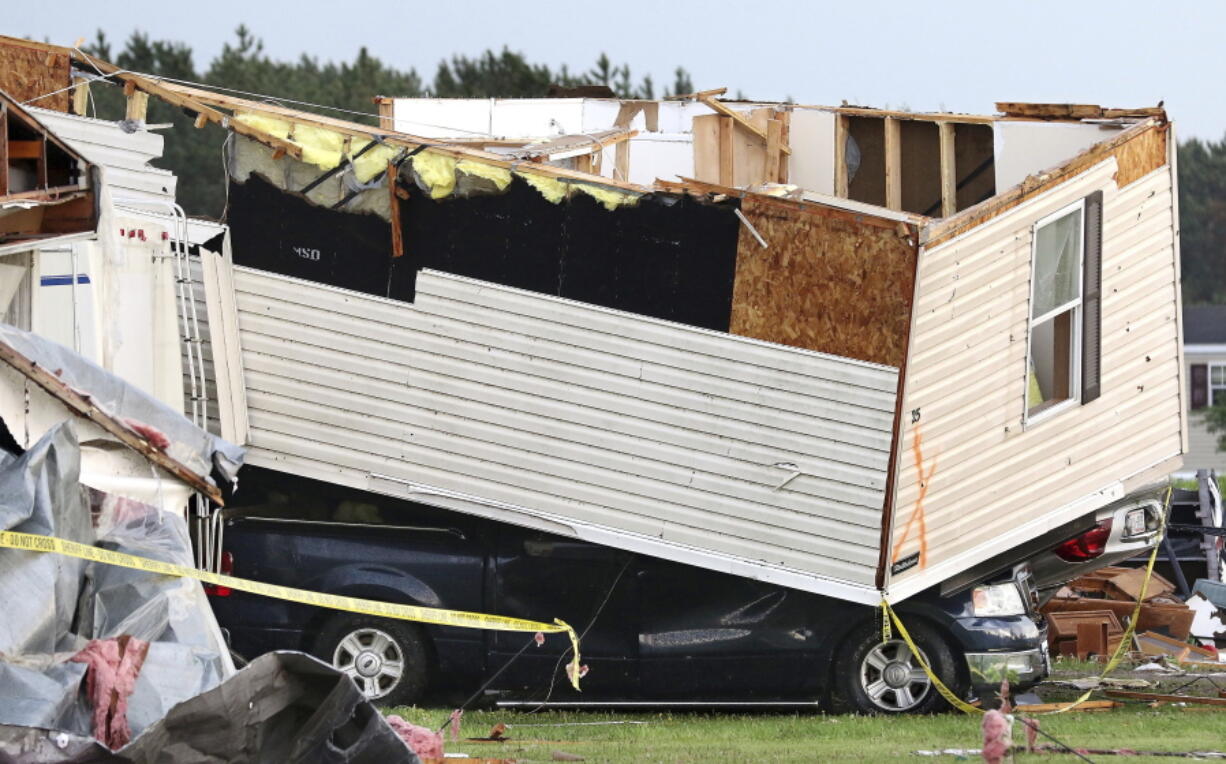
(207, 105)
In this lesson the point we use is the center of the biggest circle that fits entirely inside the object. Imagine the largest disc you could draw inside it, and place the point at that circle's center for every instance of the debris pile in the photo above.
(1089, 616)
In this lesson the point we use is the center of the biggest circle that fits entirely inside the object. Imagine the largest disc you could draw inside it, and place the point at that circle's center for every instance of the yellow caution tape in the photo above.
(31, 542)
(1119, 653)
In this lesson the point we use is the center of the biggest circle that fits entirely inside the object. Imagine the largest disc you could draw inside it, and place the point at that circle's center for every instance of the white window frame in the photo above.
(1210, 387)
(1074, 398)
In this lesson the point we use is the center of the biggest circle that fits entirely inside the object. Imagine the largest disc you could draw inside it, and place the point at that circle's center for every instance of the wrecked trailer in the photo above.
(814, 391)
(100, 662)
(870, 404)
(833, 390)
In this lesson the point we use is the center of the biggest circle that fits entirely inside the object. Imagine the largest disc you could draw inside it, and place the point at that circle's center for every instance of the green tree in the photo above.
(1202, 220)
(1214, 418)
(194, 155)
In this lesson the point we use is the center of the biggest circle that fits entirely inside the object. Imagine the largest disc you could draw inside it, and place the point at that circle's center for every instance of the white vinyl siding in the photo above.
(987, 475)
(720, 450)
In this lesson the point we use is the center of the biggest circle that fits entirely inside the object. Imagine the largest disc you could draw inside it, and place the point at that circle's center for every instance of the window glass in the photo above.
(1217, 384)
(1057, 264)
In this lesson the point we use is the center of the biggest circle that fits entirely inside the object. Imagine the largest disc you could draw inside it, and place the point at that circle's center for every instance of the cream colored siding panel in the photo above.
(988, 474)
(718, 450)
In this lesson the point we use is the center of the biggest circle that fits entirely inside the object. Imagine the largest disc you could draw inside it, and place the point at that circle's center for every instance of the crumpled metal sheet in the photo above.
(199, 450)
(284, 707)
(39, 493)
(54, 605)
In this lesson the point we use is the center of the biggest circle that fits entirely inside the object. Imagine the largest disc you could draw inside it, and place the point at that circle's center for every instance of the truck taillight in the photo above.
(226, 569)
(1087, 546)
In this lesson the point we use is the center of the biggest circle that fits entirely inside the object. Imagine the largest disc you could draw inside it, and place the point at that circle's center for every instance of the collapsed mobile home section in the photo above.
(848, 350)
(799, 387)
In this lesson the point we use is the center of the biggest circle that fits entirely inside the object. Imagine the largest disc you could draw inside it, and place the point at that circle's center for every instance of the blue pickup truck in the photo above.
(653, 631)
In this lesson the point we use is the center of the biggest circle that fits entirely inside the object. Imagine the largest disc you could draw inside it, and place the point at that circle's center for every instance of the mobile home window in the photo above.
(1217, 384)
(1055, 310)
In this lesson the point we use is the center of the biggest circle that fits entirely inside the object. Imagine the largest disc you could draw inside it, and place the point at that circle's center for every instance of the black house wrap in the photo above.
(668, 257)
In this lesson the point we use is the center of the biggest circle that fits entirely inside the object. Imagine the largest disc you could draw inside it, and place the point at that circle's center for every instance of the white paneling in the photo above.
(990, 483)
(703, 447)
(658, 155)
(811, 136)
(532, 117)
(1023, 148)
(443, 117)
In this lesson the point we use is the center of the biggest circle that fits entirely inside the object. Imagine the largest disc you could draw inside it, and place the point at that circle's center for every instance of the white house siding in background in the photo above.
(1202, 445)
(986, 476)
(708, 448)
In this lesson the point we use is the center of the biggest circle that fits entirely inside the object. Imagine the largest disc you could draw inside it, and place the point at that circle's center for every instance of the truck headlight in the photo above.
(997, 600)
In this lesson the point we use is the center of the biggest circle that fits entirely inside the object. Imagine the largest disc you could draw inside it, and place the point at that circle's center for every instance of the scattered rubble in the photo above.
(1088, 617)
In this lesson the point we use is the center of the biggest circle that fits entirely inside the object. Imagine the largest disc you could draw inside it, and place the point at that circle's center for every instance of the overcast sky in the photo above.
(959, 56)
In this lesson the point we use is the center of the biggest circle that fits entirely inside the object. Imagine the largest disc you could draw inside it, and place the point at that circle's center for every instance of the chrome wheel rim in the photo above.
(892, 678)
(372, 659)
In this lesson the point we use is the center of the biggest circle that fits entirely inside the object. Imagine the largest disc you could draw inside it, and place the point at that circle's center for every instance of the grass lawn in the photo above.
(776, 738)
(812, 737)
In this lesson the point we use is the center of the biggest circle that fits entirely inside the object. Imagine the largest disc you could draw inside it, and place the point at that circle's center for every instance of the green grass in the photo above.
(777, 738)
(810, 737)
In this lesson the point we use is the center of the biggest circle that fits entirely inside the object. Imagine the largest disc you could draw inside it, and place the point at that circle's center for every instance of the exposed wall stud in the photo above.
(949, 177)
(840, 155)
(893, 164)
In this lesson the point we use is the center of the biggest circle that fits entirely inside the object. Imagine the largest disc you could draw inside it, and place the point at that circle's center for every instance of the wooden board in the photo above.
(727, 153)
(30, 70)
(823, 283)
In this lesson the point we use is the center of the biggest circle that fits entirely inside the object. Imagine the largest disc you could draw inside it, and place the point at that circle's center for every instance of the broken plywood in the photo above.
(823, 283)
(29, 70)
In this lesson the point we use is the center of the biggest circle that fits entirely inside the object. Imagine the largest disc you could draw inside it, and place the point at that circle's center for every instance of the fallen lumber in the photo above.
(1089, 705)
(1165, 698)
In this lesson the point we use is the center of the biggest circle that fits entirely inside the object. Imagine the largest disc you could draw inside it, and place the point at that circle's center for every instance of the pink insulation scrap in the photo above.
(156, 437)
(110, 677)
(426, 743)
(997, 737)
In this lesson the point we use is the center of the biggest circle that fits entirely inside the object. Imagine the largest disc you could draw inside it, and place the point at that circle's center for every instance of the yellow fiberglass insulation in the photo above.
(437, 171)
(320, 147)
(277, 128)
(372, 162)
(552, 189)
(499, 176)
(610, 198)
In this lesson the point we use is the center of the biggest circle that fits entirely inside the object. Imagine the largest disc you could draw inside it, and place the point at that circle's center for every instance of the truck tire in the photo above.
(388, 661)
(875, 677)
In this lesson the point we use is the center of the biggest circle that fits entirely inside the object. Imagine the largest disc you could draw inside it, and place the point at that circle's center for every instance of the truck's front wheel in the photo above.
(875, 677)
(387, 660)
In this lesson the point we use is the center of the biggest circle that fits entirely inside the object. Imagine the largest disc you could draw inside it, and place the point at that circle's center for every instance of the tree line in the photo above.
(243, 65)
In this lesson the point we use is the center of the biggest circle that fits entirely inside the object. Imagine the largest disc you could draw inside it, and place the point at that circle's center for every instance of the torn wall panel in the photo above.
(749, 453)
(663, 257)
(284, 233)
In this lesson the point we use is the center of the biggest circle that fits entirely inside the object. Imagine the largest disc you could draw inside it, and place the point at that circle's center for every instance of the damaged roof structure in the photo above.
(848, 350)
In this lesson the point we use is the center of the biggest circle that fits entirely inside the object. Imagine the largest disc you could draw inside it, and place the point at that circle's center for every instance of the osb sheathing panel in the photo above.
(28, 72)
(823, 283)
(1141, 156)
